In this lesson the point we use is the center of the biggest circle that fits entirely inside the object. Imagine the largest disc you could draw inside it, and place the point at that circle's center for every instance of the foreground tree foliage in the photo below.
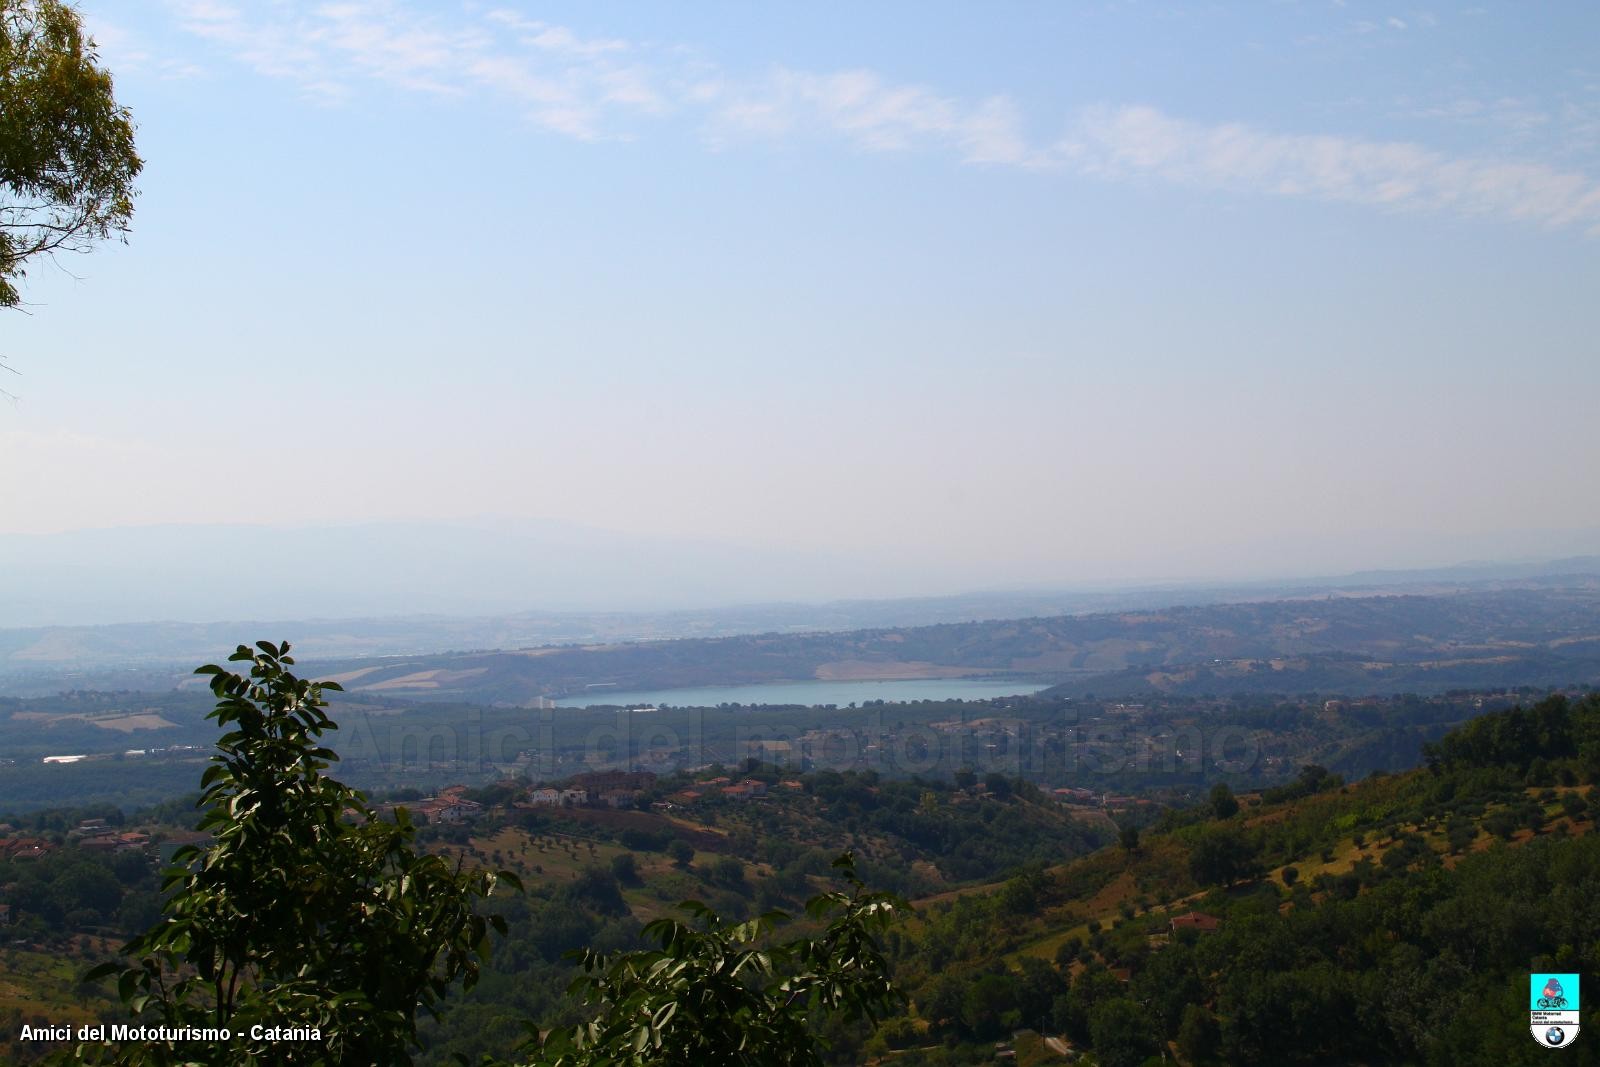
(722, 994)
(67, 158)
(306, 909)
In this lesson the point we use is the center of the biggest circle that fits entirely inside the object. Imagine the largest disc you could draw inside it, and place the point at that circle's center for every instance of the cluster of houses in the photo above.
(551, 797)
(22, 848)
(611, 789)
(451, 805)
(90, 835)
(725, 787)
(93, 835)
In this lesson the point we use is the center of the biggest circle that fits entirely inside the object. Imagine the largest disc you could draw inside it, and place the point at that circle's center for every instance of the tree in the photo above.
(1129, 837)
(1093, 986)
(625, 868)
(1223, 803)
(67, 158)
(989, 1006)
(1221, 857)
(597, 889)
(940, 1001)
(1120, 1033)
(728, 871)
(1197, 1034)
(306, 909)
(681, 851)
(1022, 892)
(719, 993)
(1037, 989)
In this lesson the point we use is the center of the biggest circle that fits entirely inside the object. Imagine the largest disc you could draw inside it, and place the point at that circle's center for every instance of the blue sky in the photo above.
(1012, 293)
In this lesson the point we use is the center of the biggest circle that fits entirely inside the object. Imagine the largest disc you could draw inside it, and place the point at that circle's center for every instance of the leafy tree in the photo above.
(1197, 1034)
(1222, 856)
(306, 909)
(1551, 729)
(1039, 986)
(940, 1002)
(67, 158)
(681, 851)
(989, 1006)
(1128, 836)
(1121, 1033)
(1167, 982)
(90, 887)
(1223, 803)
(719, 993)
(1460, 834)
(1022, 892)
(997, 784)
(1502, 823)
(1093, 986)
(597, 889)
(625, 868)
(728, 871)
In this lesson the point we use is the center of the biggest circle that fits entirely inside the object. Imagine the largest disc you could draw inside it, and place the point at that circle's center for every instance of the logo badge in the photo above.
(1553, 1009)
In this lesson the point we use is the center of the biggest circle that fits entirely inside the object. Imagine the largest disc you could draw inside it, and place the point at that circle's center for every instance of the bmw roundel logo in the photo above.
(1555, 1035)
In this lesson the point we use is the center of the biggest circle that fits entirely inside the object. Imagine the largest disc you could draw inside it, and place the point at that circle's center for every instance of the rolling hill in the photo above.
(1541, 635)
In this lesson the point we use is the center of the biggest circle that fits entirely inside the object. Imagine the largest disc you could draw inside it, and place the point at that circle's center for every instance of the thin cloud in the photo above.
(288, 49)
(563, 82)
(1121, 142)
(593, 88)
(876, 115)
(542, 35)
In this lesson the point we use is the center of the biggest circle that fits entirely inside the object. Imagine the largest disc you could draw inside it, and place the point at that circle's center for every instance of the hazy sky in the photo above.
(1047, 291)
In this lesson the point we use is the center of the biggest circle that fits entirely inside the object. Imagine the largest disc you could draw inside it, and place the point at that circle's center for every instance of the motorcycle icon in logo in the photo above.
(1552, 997)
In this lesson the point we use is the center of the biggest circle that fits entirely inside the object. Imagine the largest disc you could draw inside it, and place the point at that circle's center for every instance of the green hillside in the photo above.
(1392, 921)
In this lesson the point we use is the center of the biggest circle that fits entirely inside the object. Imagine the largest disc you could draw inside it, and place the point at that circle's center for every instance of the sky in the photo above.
(998, 294)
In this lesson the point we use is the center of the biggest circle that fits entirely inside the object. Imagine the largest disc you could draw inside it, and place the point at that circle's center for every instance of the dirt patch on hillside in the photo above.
(128, 723)
(614, 820)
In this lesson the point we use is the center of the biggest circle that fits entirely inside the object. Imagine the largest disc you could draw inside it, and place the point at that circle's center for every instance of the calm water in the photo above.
(812, 693)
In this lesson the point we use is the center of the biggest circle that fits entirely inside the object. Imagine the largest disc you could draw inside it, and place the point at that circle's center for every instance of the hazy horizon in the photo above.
(219, 572)
(820, 302)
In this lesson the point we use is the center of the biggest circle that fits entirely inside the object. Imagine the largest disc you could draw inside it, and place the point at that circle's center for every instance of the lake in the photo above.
(810, 694)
